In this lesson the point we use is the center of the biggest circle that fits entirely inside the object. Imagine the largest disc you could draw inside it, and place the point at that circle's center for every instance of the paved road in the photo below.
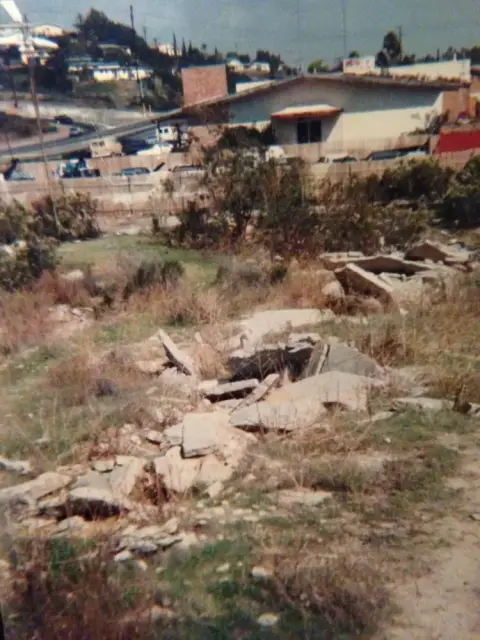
(58, 147)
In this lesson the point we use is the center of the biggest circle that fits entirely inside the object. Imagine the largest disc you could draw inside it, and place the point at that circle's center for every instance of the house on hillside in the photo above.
(50, 31)
(311, 115)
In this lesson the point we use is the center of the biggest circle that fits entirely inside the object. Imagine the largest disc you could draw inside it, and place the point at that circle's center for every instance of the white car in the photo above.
(164, 147)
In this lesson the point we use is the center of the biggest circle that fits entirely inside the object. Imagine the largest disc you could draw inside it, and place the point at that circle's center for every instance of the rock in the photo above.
(173, 436)
(270, 382)
(304, 498)
(261, 573)
(69, 525)
(341, 357)
(33, 490)
(103, 466)
(76, 275)
(317, 360)
(203, 433)
(268, 620)
(147, 357)
(124, 478)
(180, 475)
(156, 437)
(370, 306)
(334, 388)
(206, 385)
(279, 416)
(23, 467)
(438, 252)
(310, 338)
(178, 384)
(123, 556)
(215, 490)
(231, 390)
(333, 292)
(262, 323)
(354, 278)
(181, 360)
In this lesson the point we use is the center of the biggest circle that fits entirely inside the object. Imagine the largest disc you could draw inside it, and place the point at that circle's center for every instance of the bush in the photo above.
(151, 274)
(26, 264)
(414, 180)
(68, 217)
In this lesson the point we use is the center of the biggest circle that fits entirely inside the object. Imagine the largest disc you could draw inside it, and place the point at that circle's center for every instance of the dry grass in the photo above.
(71, 591)
(59, 290)
(23, 320)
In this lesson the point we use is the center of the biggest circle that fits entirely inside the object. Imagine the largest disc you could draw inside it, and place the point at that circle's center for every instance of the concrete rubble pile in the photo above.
(281, 384)
(400, 278)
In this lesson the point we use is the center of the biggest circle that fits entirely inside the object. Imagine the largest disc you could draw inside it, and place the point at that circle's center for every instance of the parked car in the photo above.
(415, 153)
(165, 147)
(376, 156)
(134, 171)
(76, 132)
(337, 158)
(64, 120)
(20, 176)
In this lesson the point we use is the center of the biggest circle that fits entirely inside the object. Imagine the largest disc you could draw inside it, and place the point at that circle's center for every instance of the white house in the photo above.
(235, 64)
(314, 114)
(260, 67)
(114, 72)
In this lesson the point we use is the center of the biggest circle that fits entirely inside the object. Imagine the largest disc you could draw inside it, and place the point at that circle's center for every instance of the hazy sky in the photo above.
(299, 30)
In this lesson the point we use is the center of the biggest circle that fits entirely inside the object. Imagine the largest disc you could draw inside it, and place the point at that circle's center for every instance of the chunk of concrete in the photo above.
(422, 404)
(437, 252)
(262, 323)
(181, 360)
(341, 357)
(280, 416)
(347, 390)
(270, 382)
(123, 479)
(203, 433)
(33, 490)
(179, 474)
(353, 277)
(390, 263)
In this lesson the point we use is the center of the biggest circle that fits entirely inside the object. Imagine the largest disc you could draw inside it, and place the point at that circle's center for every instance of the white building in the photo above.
(49, 31)
(235, 64)
(114, 72)
(167, 49)
(260, 67)
(316, 114)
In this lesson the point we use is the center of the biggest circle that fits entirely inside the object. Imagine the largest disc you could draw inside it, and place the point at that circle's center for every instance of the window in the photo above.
(309, 131)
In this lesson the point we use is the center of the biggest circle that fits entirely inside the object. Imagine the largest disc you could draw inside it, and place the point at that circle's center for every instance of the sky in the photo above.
(300, 30)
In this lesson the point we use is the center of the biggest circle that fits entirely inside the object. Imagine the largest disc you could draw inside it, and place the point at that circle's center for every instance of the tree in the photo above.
(392, 45)
(354, 54)
(174, 43)
(184, 50)
(317, 66)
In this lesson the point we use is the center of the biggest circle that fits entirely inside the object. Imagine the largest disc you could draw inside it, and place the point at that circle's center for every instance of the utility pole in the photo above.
(144, 29)
(134, 52)
(344, 29)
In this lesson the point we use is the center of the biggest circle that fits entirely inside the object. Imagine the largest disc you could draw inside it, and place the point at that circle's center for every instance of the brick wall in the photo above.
(204, 83)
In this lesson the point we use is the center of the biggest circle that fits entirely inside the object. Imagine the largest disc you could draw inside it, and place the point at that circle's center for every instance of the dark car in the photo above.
(63, 120)
(76, 132)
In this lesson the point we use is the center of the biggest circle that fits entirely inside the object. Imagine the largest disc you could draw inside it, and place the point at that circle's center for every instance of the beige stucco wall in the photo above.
(369, 114)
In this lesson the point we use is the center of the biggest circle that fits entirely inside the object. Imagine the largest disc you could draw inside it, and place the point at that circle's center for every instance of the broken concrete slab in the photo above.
(179, 474)
(316, 361)
(123, 478)
(180, 359)
(203, 432)
(103, 466)
(33, 490)
(260, 324)
(231, 390)
(280, 416)
(438, 252)
(270, 382)
(173, 436)
(422, 404)
(347, 390)
(390, 263)
(341, 357)
(354, 278)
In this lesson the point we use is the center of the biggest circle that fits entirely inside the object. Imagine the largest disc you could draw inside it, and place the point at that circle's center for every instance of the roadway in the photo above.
(56, 148)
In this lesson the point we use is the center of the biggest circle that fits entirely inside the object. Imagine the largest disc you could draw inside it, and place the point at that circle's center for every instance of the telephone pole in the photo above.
(134, 52)
(344, 28)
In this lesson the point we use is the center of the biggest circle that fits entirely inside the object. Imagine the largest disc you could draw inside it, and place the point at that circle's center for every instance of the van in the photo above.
(105, 148)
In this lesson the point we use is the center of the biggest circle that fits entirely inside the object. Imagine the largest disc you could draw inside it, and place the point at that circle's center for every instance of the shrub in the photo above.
(150, 274)
(68, 217)
(414, 180)
(27, 264)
